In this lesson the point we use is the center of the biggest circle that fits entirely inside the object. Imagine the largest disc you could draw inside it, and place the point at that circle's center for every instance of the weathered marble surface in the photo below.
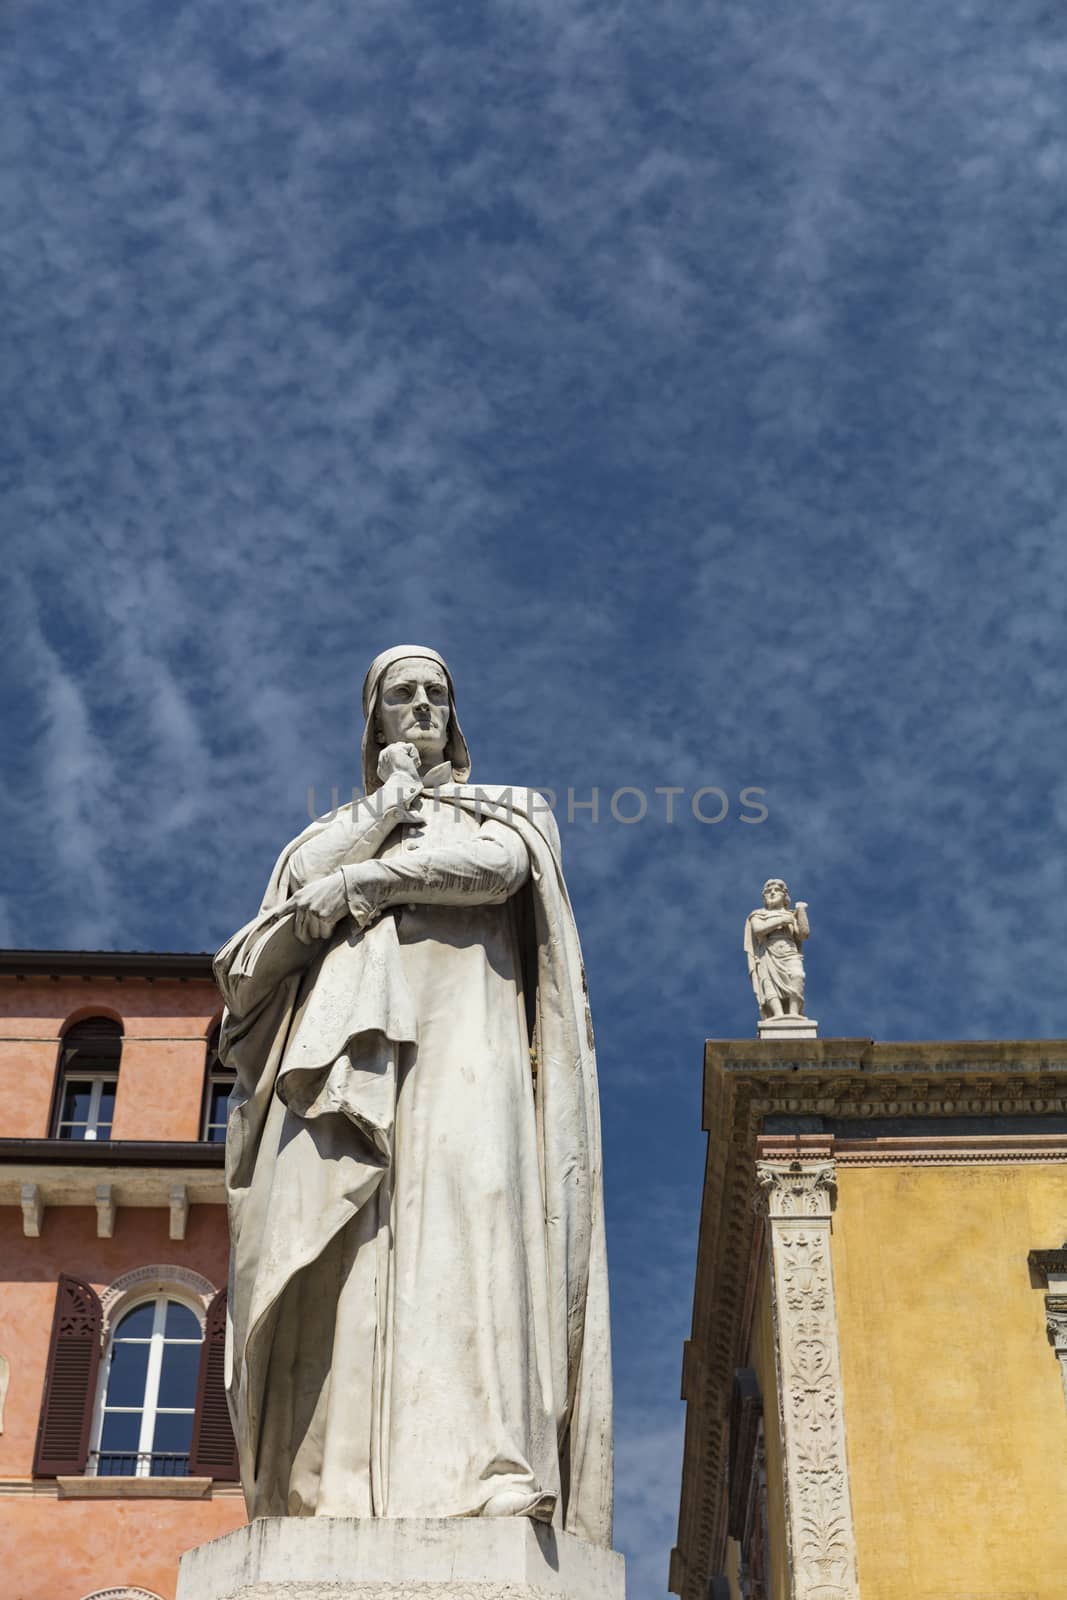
(418, 1287)
(347, 1558)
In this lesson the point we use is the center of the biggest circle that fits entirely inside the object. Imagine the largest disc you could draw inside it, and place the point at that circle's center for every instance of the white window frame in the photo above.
(91, 1126)
(151, 1409)
(225, 1078)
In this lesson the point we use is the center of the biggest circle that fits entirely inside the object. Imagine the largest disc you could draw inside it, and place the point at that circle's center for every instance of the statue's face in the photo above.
(774, 895)
(413, 707)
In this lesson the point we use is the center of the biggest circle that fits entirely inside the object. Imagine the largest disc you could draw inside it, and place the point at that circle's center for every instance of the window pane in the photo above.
(174, 1433)
(122, 1430)
(216, 1134)
(126, 1377)
(77, 1132)
(107, 1102)
(137, 1324)
(177, 1380)
(103, 1130)
(180, 1324)
(220, 1101)
(76, 1098)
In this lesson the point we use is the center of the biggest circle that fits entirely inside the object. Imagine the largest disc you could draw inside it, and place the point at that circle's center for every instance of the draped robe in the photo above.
(418, 1288)
(775, 964)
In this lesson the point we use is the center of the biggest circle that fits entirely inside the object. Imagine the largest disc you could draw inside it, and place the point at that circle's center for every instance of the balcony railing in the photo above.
(139, 1463)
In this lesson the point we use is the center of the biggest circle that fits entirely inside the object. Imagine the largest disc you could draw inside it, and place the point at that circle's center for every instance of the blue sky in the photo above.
(691, 375)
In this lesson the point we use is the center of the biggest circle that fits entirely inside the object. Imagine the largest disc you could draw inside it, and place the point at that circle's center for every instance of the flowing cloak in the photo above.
(314, 1034)
(775, 964)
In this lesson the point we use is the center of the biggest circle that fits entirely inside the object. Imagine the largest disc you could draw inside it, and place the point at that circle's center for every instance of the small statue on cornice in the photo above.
(774, 937)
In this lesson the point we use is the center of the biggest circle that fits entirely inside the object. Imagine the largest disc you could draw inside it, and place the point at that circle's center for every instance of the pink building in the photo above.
(115, 1451)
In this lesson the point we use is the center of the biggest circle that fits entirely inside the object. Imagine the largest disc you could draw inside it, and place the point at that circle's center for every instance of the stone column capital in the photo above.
(1056, 1322)
(797, 1189)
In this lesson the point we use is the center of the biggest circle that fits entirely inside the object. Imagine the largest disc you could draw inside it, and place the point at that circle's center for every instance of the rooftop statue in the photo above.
(418, 1288)
(774, 935)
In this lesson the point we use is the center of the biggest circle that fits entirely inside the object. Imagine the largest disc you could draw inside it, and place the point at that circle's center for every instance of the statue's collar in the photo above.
(442, 773)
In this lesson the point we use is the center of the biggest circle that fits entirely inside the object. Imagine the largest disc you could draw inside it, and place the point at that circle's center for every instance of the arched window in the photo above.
(218, 1081)
(144, 1425)
(88, 1078)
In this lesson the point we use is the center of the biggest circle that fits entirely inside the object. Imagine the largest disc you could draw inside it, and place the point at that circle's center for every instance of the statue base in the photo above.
(399, 1558)
(788, 1028)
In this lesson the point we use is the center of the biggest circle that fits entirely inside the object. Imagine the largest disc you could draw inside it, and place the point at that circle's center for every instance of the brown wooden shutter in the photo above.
(746, 1409)
(70, 1381)
(213, 1453)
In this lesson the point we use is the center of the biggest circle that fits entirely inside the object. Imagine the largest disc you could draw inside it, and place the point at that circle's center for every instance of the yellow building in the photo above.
(876, 1381)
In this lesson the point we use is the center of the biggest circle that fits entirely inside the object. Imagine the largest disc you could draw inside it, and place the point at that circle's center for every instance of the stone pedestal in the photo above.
(788, 1028)
(403, 1558)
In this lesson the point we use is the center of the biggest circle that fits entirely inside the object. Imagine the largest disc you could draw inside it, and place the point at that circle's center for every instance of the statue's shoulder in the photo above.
(509, 801)
(314, 828)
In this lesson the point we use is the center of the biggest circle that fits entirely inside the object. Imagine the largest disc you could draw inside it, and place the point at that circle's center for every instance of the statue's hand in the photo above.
(398, 768)
(319, 907)
(399, 758)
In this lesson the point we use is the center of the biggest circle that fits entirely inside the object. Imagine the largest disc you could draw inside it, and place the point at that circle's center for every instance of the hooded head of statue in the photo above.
(455, 745)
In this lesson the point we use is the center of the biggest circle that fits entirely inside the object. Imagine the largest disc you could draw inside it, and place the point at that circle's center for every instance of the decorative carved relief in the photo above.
(796, 1188)
(1056, 1321)
(77, 1312)
(146, 1279)
(797, 1197)
(122, 1594)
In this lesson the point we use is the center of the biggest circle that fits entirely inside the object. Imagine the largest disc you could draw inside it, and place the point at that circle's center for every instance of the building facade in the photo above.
(115, 1448)
(876, 1382)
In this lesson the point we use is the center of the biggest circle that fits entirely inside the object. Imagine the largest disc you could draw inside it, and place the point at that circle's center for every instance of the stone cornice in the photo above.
(747, 1081)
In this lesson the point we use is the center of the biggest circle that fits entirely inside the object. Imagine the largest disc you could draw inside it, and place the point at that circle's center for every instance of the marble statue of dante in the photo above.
(418, 1285)
(773, 938)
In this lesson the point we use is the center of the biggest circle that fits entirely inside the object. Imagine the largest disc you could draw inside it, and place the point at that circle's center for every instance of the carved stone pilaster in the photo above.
(798, 1197)
(1056, 1322)
(1050, 1268)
